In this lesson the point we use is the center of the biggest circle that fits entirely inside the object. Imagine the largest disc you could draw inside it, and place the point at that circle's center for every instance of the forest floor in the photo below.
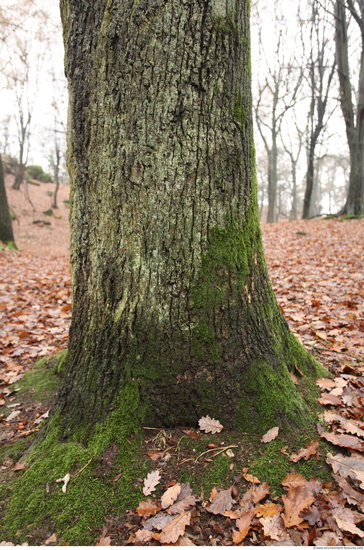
(316, 267)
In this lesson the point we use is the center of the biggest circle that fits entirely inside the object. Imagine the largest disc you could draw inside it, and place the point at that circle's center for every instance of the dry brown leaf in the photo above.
(159, 521)
(329, 538)
(251, 479)
(351, 495)
(297, 500)
(222, 502)
(345, 520)
(294, 480)
(307, 451)
(148, 508)
(348, 441)
(19, 466)
(150, 482)
(155, 455)
(325, 383)
(185, 500)
(210, 425)
(191, 434)
(184, 541)
(143, 535)
(267, 510)
(175, 528)
(270, 435)
(104, 541)
(170, 495)
(243, 524)
(329, 399)
(51, 540)
(255, 494)
(272, 526)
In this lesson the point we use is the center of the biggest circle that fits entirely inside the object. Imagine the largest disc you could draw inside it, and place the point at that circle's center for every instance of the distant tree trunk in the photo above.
(19, 176)
(353, 117)
(172, 303)
(6, 229)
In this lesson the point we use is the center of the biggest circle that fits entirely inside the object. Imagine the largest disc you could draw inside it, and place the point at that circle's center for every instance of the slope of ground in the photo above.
(316, 269)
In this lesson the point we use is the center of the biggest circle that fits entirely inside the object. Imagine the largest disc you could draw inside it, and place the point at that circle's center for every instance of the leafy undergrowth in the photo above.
(213, 488)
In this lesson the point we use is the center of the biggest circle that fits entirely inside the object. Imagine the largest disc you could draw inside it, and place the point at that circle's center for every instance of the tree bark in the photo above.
(353, 117)
(6, 229)
(171, 298)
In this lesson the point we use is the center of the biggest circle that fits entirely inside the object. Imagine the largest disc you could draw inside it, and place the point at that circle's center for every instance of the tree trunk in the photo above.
(172, 303)
(354, 118)
(6, 229)
(19, 176)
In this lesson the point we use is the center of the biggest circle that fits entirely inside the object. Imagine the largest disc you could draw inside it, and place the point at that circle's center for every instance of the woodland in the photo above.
(153, 391)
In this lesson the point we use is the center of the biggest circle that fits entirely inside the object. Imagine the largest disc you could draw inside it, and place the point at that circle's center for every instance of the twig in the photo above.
(82, 469)
(219, 451)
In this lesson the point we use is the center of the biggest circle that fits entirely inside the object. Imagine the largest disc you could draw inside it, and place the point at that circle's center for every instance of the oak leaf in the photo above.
(175, 528)
(345, 520)
(294, 480)
(297, 500)
(348, 441)
(329, 399)
(159, 521)
(270, 435)
(142, 536)
(222, 502)
(51, 540)
(255, 494)
(268, 510)
(185, 500)
(307, 451)
(191, 434)
(170, 495)
(251, 479)
(243, 524)
(148, 508)
(329, 538)
(272, 526)
(150, 482)
(210, 425)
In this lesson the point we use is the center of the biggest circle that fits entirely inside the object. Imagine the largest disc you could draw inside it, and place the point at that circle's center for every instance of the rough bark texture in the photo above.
(6, 229)
(353, 116)
(171, 298)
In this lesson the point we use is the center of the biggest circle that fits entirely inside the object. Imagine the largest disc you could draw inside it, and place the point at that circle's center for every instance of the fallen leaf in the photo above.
(170, 495)
(352, 496)
(185, 500)
(185, 541)
(210, 425)
(297, 500)
(325, 383)
(270, 435)
(148, 508)
(159, 521)
(345, 520)
(352, 467)
(294, 480)
(65, 480)
(19, 466)
(348, 441)
(255, 494)
(143, 535)
(150, 482)
(191, 434)
(307, 451)
(268, 510)
(251, 479)
(155, 455)
(51, 540)
(175, 528)
(329, 399)
(272, 526)
(12, 415)
(220, 503)
(243, 524)
(329, 538)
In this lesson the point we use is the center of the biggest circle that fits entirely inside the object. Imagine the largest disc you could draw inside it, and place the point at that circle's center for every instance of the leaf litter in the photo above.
(328, 319)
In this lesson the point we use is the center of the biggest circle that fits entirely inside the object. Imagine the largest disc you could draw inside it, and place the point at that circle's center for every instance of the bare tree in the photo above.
(277, 93)
(320, 74)
(352, 109)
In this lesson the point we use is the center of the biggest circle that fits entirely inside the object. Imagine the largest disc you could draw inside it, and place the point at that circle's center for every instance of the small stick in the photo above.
(82, 469)
(219, 451)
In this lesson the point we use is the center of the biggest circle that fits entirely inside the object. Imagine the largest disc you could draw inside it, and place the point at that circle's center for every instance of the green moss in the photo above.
(240, 114)
(37, 503)
(15, 450)
(44, 378)
(271, 465)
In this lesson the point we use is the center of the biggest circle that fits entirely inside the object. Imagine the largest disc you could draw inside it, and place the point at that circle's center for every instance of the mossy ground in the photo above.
(106, 475)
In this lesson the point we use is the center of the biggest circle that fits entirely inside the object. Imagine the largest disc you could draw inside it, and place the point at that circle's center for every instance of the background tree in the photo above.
(320, 74)
(277, 93)
(6, 229)
(173, 311)
(353, 110)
